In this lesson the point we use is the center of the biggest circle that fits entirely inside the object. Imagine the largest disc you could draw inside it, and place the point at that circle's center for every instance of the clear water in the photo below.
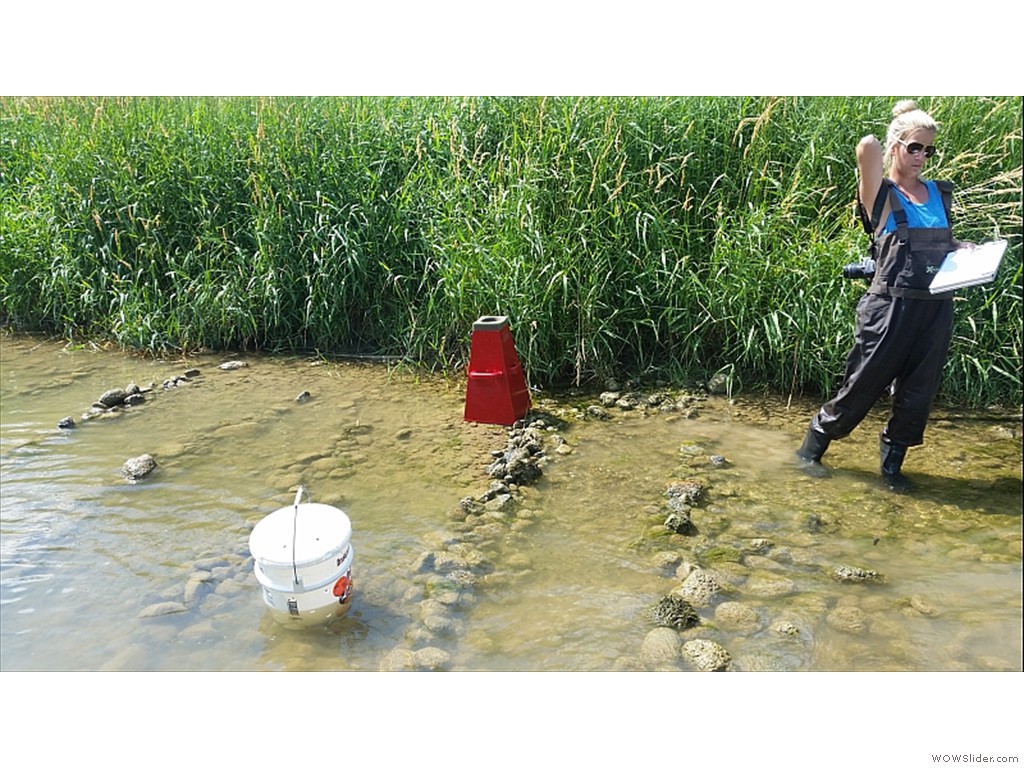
(560, 584)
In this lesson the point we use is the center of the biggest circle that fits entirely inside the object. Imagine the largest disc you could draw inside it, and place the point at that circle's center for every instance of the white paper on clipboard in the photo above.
(968, 266)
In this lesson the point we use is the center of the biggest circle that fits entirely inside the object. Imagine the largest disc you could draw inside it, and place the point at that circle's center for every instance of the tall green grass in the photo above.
(632, 237)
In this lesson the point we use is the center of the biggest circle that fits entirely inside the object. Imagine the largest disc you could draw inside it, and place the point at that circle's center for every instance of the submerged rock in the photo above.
(139, 467)
(847, 618)
(685, 491)
(706, 655)
(856, 575)
(161, 609)
(661, 647)
(700, 588)
(736, 617)
(678, 520)
(673, 611)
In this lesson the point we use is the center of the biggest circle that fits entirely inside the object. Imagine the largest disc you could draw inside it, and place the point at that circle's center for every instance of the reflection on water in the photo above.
(156, 575)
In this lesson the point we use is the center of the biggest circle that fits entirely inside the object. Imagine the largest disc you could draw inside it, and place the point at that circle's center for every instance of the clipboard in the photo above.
(968, 266)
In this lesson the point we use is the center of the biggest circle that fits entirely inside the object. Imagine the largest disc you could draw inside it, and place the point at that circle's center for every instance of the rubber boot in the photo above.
(891, 457)
(814, 446)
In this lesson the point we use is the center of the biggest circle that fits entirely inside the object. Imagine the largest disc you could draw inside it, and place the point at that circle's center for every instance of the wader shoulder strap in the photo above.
(899, 215)
(946, 191)
(870, 223)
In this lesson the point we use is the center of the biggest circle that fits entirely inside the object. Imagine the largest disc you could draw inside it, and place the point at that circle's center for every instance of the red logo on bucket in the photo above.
(342, 587)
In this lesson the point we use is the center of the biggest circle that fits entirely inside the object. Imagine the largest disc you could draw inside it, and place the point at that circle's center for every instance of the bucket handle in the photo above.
(295, 532)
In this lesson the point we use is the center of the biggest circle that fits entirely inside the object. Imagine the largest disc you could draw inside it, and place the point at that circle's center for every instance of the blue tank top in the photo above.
(930, 215)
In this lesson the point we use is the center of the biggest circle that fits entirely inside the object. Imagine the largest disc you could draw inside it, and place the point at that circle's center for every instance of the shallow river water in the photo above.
(156, 575)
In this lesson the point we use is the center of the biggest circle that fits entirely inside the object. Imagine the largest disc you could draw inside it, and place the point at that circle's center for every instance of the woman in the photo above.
(903, 331)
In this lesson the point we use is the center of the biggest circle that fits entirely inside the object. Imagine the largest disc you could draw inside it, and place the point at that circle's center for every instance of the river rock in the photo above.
(233, 365)
(139, 467)
(785, 628)
(686, 491)
(847, 618)
(923, 606)
(397, 660)
(706, 655)
(520, 463)
(195, 583)
(162, 609)
(66, 423)
(766, 584)
(439, 625)
(679, 520)
(660, 647)
(431, 658)
(673, 611)
(855, 575)
(627, 402)
(699, 589)
(737, 617)
(111, 398)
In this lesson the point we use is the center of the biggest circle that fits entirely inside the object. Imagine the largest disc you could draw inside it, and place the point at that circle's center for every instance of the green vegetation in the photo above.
(634, 237)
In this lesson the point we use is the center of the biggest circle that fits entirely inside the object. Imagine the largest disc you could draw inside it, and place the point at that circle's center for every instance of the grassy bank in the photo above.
(634, 237)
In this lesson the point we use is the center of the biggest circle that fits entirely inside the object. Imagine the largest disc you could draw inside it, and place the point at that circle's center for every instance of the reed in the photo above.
(645, 238)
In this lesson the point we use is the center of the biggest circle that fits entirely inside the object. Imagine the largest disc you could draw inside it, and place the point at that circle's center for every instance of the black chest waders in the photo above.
(902, 336)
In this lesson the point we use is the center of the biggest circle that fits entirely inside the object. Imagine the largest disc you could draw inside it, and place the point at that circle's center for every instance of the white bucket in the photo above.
(303, 562)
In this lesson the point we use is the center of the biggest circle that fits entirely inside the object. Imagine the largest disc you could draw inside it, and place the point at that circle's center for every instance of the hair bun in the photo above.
(902, 107)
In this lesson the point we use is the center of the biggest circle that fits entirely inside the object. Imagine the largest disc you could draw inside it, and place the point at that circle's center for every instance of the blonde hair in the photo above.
(906, 117)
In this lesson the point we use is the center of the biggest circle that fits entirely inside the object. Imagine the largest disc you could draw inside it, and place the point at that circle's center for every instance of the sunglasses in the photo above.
(915, 146)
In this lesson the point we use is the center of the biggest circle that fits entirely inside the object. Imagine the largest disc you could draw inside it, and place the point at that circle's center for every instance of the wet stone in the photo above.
(112, 398)
(678, 521)
(922, 606)
(673, 611)
(769, 585)
(687, 491)
(661, 647)
(666, 561)
(706, 655)
(138, 467)
(854, 575)
(431, 658)
(847, 618)
(785, 628)
(166, 608)
(195, 585)
(737, 617)
(700, 588)
(439, 625)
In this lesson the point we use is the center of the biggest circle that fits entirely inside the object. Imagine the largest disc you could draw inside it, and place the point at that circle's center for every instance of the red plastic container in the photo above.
(496, 392)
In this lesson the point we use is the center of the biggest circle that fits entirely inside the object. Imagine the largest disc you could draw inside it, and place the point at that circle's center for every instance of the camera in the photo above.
(864, 268)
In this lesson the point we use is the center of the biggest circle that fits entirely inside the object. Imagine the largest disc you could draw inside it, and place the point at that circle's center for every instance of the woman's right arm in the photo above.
(869, 166)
